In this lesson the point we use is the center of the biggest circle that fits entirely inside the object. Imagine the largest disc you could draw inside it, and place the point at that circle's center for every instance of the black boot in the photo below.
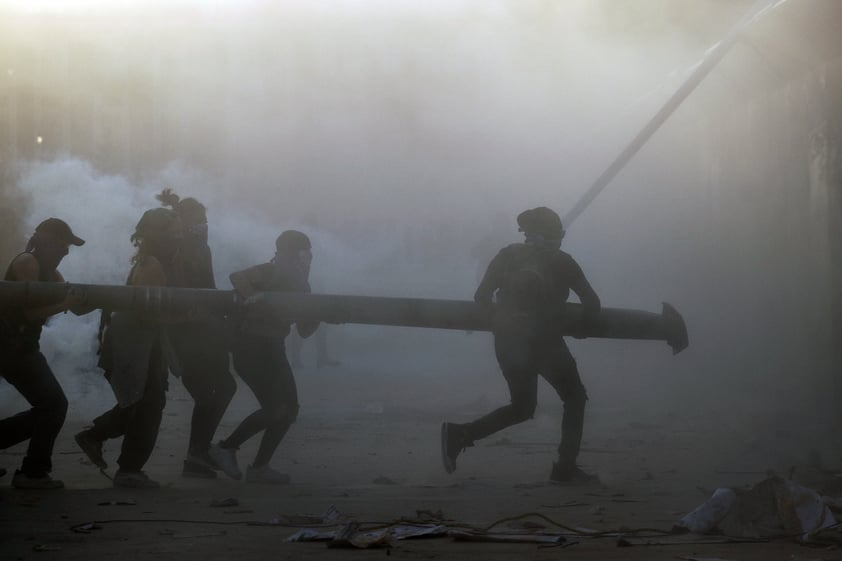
(453, 441)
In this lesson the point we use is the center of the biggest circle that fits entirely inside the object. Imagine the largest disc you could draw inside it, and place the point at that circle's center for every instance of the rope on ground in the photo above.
(581, 531)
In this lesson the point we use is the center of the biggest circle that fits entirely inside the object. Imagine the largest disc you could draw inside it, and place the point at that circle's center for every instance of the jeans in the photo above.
(30, 374)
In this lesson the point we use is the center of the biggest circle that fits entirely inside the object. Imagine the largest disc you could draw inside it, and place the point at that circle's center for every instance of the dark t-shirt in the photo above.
(268, 277)
(533, 280)
(197, 265)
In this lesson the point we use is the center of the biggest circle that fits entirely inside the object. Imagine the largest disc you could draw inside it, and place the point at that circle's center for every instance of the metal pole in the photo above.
(711, 59)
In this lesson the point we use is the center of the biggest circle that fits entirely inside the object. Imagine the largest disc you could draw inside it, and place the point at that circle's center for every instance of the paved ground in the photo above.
(370, 448)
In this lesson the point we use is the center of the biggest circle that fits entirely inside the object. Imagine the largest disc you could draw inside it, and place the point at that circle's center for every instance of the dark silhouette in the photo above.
(133, 356)
(200, 345)
(531, 280)
(21, 361)
(260, 356)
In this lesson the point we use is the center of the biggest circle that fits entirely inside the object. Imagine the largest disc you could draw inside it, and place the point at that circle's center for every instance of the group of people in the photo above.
(522, 290)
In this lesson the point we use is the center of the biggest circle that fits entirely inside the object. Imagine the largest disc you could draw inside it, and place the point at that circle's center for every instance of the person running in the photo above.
(133, 356)
(200, 345)
(531, 281)
(260, 358)
(21, 361)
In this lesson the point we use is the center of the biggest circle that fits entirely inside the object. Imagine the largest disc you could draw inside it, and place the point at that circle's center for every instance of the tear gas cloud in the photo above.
(404, 137)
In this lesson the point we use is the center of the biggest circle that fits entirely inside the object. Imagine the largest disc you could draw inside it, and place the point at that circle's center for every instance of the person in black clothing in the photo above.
(260, 357)
(133, 356)
(531, 281)
(200, 345)
(21, 361)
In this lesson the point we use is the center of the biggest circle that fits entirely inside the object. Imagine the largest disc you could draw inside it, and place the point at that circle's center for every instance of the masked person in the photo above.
(260, 357)
(200, 345)
(133, 356)
(531, 281)
(21, 361)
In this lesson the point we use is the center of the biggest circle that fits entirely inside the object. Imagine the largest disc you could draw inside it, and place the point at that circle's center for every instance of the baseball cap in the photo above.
(60, 230)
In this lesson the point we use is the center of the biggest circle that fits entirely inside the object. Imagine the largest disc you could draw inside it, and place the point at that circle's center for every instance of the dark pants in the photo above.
(30, 374)
(523, 357)
(262, 364)
(203, 360)
(138, 423)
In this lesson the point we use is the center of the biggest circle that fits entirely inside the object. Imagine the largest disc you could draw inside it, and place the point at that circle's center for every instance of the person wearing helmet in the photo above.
(133, 356)
(523, 288)
(21, 361)
(260, 358)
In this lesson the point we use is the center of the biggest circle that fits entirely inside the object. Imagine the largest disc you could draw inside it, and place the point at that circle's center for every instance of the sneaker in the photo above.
(197, 470)
(226, 460)
(24, 481)
(92, 448)
(571, 474)
(266, 474)
(134, 480)
(453, 443)
(203, 459)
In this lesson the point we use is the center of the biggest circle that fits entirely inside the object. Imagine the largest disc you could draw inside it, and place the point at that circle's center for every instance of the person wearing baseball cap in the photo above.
(21, 361)
(59, 230)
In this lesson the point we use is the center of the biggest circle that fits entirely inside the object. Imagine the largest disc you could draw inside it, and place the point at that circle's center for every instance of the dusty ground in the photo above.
(370, 447)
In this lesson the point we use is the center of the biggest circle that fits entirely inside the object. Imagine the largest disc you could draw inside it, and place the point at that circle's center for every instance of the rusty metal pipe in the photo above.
(612, 323)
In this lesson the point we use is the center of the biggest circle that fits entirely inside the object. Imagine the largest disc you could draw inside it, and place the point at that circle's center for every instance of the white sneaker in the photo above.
(266, 474)
(226, 459)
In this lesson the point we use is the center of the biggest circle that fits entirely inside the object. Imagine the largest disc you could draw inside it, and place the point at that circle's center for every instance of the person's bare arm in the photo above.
(25, 268)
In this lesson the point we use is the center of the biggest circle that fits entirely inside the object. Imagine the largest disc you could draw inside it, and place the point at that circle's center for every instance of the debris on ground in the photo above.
(86, 528)
(351, 535)
(332, 517)
(507, 537)
(775, 507)
(383, 480)
(221, 503)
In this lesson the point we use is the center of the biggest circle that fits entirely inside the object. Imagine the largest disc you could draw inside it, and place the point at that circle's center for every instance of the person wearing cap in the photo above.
(523, 289)
(200, 344)
(134, 359)
(21, 361)
(260, 358)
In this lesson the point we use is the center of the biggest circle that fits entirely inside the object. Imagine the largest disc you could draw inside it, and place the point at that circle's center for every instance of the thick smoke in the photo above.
(405, 137)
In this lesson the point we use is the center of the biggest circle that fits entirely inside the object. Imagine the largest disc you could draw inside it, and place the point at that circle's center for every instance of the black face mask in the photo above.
(294, 265)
